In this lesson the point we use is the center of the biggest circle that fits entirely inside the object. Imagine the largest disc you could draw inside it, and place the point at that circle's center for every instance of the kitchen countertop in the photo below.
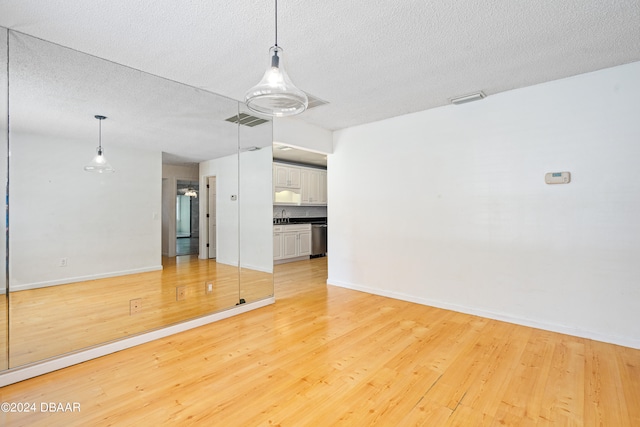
(302, 220)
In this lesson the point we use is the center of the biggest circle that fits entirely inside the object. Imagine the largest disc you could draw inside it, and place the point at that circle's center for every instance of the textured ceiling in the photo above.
(370, 59)
(56, 91)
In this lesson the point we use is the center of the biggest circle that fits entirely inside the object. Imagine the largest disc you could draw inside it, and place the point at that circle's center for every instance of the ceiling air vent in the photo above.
(246, 120)
(314, 102)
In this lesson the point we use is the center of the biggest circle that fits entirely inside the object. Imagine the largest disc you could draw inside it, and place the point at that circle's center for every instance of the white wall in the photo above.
(256, 198)
(103, 224)
(4, 116)
(448, 207)
(296, 133)
(252, 209)
(225, 169)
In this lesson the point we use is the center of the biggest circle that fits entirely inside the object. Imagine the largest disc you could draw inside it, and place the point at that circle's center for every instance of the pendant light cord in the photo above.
(276, 22)
(100, 119)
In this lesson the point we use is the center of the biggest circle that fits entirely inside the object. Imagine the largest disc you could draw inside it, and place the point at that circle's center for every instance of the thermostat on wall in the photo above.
(557, 177)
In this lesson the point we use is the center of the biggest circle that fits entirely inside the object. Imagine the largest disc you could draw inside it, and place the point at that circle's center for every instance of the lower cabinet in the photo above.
(278, 246)
(304, 242)
(291, 241)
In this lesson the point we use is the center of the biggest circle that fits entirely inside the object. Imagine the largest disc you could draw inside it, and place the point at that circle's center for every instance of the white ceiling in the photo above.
(369, 59)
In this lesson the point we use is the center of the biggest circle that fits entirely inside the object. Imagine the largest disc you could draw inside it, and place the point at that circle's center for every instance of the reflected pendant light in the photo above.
(276, 95)
(99, 163)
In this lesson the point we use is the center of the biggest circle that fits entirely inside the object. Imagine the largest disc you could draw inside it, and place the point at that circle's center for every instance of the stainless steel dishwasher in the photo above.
(318, 240)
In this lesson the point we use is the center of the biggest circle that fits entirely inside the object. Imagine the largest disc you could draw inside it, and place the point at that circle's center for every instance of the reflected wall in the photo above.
(4, 117)
(86, 262)
(256, 210)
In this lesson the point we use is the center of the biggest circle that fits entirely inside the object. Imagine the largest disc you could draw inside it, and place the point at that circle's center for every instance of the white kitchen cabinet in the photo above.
(291, 241)
(304, 242)
(322, 188)
(319, 187)
(313, 188)
(278, 245)
(305, 188)
(290, 244)
(286, 176)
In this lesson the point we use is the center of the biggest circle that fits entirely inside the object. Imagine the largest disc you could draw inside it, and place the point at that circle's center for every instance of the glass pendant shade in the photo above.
(99, 163)
(276, 95)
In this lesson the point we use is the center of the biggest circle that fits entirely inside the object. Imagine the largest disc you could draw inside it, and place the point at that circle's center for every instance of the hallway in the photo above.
(187, 246)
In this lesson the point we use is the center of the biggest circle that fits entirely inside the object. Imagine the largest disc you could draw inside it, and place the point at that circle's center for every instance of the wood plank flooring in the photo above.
(51, 321)
(4, 360)
(326, 356)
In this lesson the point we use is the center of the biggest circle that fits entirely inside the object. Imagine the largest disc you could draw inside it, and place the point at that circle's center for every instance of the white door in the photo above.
(211, 215)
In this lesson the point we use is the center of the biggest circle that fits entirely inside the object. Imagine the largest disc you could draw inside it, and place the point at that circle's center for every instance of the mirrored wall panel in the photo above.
(256, 207)
(4, 117)
(96, 257)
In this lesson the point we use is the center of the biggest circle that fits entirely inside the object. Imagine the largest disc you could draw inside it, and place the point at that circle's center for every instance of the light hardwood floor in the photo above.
(51, 321)
(325, 356)
(4, 360)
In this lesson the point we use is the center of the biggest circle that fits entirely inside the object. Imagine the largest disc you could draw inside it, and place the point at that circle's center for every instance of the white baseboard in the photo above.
(286, 260)
(22, 373)
(553, 327)
(268, 269)
(66, 281)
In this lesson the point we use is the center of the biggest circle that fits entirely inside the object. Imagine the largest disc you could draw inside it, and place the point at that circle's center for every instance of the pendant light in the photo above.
(99, 163)
(276, 95)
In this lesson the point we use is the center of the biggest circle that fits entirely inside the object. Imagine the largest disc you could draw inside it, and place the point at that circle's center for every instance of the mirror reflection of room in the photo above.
(108, 256)
(4, 152)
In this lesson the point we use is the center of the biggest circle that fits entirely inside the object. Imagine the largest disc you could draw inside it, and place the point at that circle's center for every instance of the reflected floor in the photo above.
(51, 321)
(4, 364)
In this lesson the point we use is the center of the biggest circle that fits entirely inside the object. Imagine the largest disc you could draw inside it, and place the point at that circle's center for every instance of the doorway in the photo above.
(187, 218)
(211, 217)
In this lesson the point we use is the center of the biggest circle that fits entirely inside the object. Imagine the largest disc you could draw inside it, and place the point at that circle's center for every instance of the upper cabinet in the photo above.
(286, 176)
(313, 186)
(299, 185)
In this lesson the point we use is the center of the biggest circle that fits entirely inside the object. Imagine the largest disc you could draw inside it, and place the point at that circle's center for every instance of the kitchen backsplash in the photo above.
(300, 211)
